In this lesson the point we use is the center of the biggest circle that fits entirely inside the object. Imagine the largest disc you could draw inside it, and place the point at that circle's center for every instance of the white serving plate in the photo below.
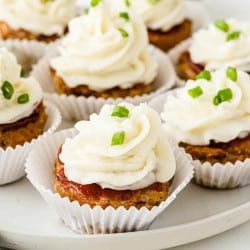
(26, 222)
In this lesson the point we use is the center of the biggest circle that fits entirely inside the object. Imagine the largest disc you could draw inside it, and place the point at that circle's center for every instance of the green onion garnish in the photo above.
(127, 3)
(232, 73)
(120, 111)
(86, 11)
(233, 36)
(46, 1)
(24, 98)
(125, 15)
(223, 96)
(204, 75)
(118, 138)
(195, 92)
(94, 3)
(22, 73)
(7, 90)
(153, 2)
(124, 33)
(222, 25)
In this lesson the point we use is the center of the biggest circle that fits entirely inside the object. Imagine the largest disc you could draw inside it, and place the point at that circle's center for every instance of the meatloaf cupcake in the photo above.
(23, 115)
(224, 43)
(166, 20)
(41, 20)
(105, 58)
(104, 55)
(210, 119)
(128, 172)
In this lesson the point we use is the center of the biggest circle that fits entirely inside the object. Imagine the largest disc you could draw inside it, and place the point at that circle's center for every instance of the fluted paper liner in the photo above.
(87, 220)
(77, 108)
(12, 159)
(220, 176)
(27, 52)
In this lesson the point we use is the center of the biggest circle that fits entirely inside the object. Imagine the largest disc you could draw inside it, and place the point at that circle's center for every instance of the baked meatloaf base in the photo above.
(23, 130)
(186, 69)
(236, 150)
(83, 90)
(6, 32)
(169, 39)
(94, 195)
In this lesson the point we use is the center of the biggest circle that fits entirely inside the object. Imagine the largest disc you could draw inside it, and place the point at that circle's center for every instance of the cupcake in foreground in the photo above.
(23, 116)
(131, 164)
(165, 20)
(41, 20)
(128, 172)
(210, 119)
(105, 54)
(224, 43)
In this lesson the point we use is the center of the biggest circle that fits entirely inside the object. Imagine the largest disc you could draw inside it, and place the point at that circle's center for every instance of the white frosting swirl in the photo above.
(197, 121)
(10, 109)
(211, 48)
(144, 158)
(95, 53)
(47, 18)
(161, 15)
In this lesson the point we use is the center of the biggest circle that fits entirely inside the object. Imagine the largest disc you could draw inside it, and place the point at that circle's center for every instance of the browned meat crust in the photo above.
(238, 149)
(83, 90)
(169, 39)
(23, 130)
(186, 69)
(94, 195)
(6, 32)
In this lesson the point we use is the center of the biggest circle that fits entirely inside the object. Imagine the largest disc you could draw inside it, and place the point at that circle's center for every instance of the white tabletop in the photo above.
(236, 238)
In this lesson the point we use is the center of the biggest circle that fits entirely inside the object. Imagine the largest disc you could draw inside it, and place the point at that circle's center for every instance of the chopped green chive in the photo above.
(124, 33)
(223, 96)
(233, 36)
(118, 138)
(222, 25)
(120, 111)
(125, 15)
(127, 3)
(24, 98)
(94, 3)
(22, 73)
(204, 75)
(153, 2)
(7, 90)
(195, 92)
(47, 1)
(232, 73)
(86, 11)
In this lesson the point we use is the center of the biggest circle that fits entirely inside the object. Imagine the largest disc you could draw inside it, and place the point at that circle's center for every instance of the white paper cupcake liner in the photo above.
(12, 159)
(77, 108)
(86, 220)
(27, 52)
(220, 176)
